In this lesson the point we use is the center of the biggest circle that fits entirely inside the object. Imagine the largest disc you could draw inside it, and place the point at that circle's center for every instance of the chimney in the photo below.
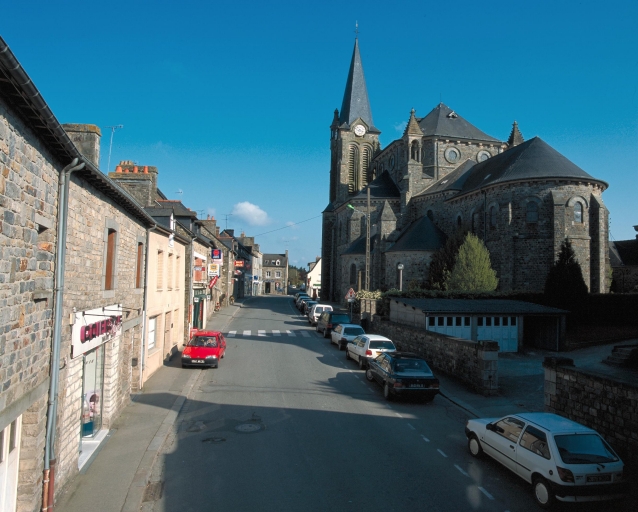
(140, 182)
(85, 137)
(217, 231)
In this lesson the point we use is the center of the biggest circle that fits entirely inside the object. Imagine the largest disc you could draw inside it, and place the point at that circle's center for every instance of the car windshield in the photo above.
(203, 341)
(380, 345)
(411, 366)
(584, 449)
(340, 319)
(353, 331)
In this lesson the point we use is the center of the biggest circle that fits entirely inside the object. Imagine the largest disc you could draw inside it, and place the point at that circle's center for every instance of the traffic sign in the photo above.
(350, 294)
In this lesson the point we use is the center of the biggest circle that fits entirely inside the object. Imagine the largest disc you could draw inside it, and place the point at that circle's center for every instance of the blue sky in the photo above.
(232, 101)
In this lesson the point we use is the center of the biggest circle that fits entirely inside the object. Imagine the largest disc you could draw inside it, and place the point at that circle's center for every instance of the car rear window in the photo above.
(377, 345)
(411, 366)
(584, 449)
(340, 319)
(353, 331)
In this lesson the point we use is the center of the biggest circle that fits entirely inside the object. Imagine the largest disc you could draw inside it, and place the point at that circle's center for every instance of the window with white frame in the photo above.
(152, 327)
(278, 274)
(267, 273)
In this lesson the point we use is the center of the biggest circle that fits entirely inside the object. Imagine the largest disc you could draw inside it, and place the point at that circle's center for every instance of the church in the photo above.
(395, 206)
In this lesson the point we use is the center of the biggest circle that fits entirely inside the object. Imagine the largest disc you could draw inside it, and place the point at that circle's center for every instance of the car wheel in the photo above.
(362, 365)
(325, 334)
(387, 394)
(369, 375)
(474, 445)
(340, 346)
(543, 492)
(348, 354)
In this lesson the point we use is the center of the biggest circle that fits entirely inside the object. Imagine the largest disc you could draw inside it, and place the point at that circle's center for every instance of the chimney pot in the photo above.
(118, 168)
(135, 170)
(146, 169)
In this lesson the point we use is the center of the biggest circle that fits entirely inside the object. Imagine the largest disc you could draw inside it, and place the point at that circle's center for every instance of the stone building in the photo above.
(275, 273)
(522, 198)
(623, 255)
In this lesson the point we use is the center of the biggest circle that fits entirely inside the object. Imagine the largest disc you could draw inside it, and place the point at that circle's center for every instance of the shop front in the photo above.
(200, 298)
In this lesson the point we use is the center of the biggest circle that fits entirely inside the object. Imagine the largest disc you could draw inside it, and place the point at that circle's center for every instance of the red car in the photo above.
(205, 348)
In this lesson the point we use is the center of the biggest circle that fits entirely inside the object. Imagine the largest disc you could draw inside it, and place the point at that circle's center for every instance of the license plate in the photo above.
(198, 360)
(417, 386)
(599, 478)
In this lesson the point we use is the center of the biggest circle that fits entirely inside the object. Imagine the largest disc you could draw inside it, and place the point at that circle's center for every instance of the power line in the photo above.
(290, 225)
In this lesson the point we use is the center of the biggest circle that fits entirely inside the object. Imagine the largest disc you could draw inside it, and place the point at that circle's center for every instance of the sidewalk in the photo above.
(115, 477)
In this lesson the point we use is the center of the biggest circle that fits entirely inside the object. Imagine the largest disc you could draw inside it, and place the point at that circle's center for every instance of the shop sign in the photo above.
(217, 254)
(95, 327)
(239, 263)
(213, 269)
(199, 268)
(202, 295)
(237, 272)
(255, 278)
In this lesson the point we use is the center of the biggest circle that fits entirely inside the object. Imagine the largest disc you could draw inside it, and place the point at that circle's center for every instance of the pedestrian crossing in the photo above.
(264, 333)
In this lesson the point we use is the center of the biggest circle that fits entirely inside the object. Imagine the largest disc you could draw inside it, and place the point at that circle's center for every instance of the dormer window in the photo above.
(277, 263)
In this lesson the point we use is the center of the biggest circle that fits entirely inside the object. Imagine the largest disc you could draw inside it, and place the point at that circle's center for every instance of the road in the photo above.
(286, 423)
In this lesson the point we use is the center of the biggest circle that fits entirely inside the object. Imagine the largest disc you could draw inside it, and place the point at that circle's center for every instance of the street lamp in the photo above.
(367, 217)
(400, 269)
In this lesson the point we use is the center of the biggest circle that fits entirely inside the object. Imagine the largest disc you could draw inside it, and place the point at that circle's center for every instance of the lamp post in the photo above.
(400, 269)
(367, 217)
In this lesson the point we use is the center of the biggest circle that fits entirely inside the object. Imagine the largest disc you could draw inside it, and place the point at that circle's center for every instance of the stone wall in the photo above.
(475, 363)
(608, 405)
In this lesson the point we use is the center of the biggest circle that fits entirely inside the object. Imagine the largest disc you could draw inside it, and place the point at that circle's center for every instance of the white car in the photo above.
(316, 311)
(562, 459)
(364, 348)
(345, 333)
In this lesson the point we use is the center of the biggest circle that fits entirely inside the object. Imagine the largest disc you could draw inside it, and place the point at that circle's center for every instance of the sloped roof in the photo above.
(177, 207)
(421, 235)
(355, 98)
(381, 187)
(453, 181)
(627, 252)
(442, 121)
(481, 306)
(533, 159)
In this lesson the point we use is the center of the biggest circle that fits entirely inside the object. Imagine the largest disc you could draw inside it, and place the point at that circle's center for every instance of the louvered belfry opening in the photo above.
(353, 169)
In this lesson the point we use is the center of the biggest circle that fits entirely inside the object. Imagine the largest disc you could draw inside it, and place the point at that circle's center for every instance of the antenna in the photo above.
(226, 215)
(179, 191)
(113, 128)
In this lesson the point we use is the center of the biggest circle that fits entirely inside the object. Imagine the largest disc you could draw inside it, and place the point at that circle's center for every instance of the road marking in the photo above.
(261, 333)
(486, 493)
(231, 334)
(463, 472)
(425, 439)
(276, 333)
(289, 333)
(305, 334)
(246, 333)
(441, 452)
(411, 427)
(398, 415)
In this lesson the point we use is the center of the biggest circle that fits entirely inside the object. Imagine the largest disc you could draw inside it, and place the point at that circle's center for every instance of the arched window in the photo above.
(366, 170)
(532, 213)
(578, 213)
(475, 222)
(353, 273)
(459, 222)
(414, 151)
(353, 169)
(493, 216)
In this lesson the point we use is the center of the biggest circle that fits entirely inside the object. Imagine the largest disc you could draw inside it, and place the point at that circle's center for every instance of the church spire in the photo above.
(516, 137)
(355, 99)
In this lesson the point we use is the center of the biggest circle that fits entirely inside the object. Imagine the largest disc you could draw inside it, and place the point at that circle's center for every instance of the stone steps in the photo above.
(621, 356)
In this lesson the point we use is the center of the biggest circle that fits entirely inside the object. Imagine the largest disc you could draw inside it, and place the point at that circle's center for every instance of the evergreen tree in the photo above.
(443, 262)
(565, 281)
(473, 271)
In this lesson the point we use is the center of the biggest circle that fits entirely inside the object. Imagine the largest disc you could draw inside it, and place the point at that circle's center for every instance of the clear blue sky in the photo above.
(232, 101)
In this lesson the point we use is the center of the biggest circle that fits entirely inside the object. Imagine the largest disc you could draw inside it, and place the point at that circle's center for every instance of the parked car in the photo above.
(302, 301)
(344, 333)
(562, 459)
(300, 298)
(205, 348)
(307, 305)
(316, 310)
(330, 319)
(296, 296)
(364, 348)
(403, 373)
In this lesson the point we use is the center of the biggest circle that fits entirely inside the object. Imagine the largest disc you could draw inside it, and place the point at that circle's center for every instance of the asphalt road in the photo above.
(286, 423)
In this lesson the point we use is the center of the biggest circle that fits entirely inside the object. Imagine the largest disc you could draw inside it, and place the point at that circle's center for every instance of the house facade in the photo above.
(275, 273)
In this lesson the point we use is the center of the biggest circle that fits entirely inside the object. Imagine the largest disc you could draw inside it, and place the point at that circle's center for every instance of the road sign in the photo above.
(350, 294)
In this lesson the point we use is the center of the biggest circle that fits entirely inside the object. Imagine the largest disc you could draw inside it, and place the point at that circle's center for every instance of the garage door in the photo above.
(503, 329)
(457, 326)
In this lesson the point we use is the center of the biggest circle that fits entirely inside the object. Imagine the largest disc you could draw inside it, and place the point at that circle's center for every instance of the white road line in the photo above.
(231, 334)
(261, 333)
(425, 439)
(246, 333)
(486, 493)
(276, 333)
(398, 415)
(290, 333)
(305, 334)
(357, 377)
(411, 427)
(462, 471)
(441, 452)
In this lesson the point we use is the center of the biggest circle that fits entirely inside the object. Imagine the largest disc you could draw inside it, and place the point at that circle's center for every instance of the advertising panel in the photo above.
(218, 256)
(239, 263)
(95, 327)
(213, 269)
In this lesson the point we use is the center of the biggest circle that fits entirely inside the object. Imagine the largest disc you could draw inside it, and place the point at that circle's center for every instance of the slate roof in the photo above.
(421, 235)
(626, 252)
(355, 98)
(480, 306)
(442, 121)
(453, 181)
(177, 207)
(380, 188)
(533, 159)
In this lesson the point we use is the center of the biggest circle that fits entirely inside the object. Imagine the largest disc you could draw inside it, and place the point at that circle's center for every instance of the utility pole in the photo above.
(113, 128)
(368, 243)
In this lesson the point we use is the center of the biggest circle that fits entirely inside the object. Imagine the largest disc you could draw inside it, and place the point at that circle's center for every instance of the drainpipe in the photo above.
(145, 305)
(49, 453)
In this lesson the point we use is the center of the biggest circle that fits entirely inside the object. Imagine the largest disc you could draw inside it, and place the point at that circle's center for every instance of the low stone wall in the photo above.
(607, 405)
(475, 363)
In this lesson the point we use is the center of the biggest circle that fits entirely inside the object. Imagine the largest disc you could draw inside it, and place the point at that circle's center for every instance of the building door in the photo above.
(267, 287)
(92, 391)
(197, 313)
(9, 463)
(168, 327)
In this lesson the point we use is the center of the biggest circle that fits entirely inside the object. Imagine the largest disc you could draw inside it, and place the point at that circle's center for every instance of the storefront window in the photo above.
(92, 391)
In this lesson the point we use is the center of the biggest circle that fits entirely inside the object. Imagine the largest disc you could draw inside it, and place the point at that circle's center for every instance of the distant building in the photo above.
(623, 255)
(275, 273)
(313, 278)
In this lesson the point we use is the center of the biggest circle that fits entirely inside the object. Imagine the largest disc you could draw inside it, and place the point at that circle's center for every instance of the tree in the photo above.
(472, 271)
(443, 262)
(565, 281)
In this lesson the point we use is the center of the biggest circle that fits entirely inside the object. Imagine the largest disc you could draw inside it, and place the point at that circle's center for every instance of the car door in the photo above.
(335, 334)
(222, 342)
(350, 347)
(533, 453)
(375, 368)
(386, 369)
(501, 441)
(360, 348)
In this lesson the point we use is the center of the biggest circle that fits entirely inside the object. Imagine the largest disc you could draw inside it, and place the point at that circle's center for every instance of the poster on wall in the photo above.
(95, 327)
(213, 269)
